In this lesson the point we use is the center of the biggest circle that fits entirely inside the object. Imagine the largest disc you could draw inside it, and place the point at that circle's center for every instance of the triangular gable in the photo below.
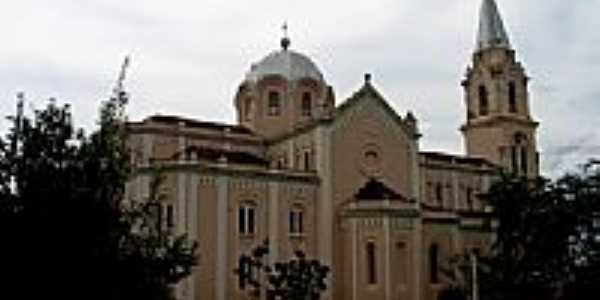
(368, 93)
(377, 190)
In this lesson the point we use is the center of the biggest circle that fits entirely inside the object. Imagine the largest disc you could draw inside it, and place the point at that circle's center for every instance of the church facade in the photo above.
(348, 184)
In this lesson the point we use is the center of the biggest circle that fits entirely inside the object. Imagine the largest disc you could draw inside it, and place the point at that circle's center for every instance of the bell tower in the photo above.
(498, 126)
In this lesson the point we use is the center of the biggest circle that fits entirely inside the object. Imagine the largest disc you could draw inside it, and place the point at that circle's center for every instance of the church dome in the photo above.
(289, 64)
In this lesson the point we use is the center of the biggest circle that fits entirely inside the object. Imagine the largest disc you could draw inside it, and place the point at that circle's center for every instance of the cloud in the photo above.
(189, 57)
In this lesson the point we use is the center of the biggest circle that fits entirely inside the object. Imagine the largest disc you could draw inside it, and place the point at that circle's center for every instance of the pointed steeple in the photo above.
(491, 28)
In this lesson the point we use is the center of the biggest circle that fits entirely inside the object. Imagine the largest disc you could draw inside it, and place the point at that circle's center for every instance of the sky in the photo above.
(188, 57)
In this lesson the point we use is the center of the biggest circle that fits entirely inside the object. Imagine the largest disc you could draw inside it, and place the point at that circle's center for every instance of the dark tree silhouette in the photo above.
(66, 231)
(452, 293)
(296, 279)
(547, 240)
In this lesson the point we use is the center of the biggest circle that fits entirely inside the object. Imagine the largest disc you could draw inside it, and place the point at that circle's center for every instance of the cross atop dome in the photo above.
(491, 28)
(285, 41)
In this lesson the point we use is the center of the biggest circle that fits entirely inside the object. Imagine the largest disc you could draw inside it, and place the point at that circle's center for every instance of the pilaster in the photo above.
(222, 235)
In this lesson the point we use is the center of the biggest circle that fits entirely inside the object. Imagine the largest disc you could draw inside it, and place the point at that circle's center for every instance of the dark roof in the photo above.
(376, 190)
(199, 124)
(213, 154)
(459, 159)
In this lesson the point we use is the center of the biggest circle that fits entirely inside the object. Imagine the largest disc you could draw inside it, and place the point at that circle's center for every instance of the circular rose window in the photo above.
(370, 161)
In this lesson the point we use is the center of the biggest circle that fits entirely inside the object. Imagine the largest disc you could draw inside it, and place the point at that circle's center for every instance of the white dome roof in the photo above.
(289, 64)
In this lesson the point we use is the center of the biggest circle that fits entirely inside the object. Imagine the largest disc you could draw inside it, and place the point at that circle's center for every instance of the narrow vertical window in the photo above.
(307, 161)
(250, 219)
(159, 217)
(292, 221)
(242, 220)
(439, 193)
(297, 161)
(300, 221)
(371, 263)
(433, 264)
(402, 261)
(306, 104)
(246, 219)
(274, 104)
(483, 101)
(296, 221)
(512, 97)
(170, 221)
(469, 198)
(513, 157)
(524, 160)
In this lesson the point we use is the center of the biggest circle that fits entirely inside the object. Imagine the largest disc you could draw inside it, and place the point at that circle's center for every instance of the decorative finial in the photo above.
(367, 77)
(285, 41)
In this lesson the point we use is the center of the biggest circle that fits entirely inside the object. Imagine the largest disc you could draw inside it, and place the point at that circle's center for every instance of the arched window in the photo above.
(281, 163)
(371, 263)
(246, 219)
(402, 261)
(371, 155)
(274, 104)
(512, 97)
(483, 101)
(433, 264)
(296, 220)
(306, 104)
(520, 157)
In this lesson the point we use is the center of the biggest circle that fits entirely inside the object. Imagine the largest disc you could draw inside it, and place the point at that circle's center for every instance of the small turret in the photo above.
(412, 123)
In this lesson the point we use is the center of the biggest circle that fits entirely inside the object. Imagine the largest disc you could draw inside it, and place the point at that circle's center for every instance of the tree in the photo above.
(66, 230)
(581, 192)
(530, 255)
(296, 279)
(547, 240)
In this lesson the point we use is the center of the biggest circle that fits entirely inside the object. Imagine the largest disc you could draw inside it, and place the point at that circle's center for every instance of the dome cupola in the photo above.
(283, 91)
(286, 63)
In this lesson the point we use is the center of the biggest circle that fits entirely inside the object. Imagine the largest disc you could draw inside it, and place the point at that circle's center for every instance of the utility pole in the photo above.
(474, 288)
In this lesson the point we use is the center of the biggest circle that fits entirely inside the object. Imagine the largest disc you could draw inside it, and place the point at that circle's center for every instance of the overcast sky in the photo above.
(188, 57)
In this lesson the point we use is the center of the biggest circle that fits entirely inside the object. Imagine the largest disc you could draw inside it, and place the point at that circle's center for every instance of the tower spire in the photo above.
(491, 28)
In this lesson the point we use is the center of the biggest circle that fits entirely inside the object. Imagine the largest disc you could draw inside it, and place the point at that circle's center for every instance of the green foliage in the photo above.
(66, 231)
(296, 279)
(548, 238)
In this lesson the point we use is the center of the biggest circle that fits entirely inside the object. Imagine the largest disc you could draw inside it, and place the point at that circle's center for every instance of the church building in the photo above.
(345, 181)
